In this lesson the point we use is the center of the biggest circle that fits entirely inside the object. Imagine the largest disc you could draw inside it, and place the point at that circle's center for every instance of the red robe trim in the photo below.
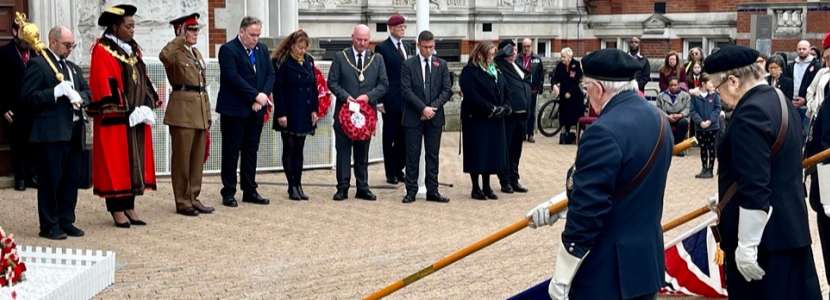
(110, 150)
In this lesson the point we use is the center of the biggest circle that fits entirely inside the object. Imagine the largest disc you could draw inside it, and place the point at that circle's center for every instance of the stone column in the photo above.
(422, 20)
(259, 9)
(47, 14)
(288, 13)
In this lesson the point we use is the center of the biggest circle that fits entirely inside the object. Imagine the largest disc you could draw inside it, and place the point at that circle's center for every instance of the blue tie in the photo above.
(252, 56)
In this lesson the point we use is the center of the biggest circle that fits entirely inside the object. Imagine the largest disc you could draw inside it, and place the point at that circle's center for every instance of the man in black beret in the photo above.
(763, 217)
(515, 124)
(612, 246)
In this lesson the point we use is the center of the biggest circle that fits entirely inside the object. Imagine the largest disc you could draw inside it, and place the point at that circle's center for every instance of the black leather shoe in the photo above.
(408, 199)
(201, 208)
(229, 201)
(71, 230)
(293, 193)
(54, 234)
(708, 173)
(392, 180)
(190, 212)
(255, 198)
(490, 194)
(120, 225)
(436, 197)
(19, 185)
(340, 195)
(365, 195)
(302, 194)
(402, 178)
(506, 189)
(700, 175)
(477, 194)
(32, 182)
(134, 222)
(517, 187)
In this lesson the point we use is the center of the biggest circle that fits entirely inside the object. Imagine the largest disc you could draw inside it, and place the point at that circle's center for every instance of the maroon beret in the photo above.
(826, 43)
(395, 20)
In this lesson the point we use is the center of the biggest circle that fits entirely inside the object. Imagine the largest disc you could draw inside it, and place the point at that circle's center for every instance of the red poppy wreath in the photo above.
(359, 125)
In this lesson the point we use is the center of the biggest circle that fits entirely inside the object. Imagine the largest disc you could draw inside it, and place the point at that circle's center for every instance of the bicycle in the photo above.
(548, 119)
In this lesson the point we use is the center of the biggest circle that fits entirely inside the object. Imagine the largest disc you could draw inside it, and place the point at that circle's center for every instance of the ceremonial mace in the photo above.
(497, 236)
(31, 35)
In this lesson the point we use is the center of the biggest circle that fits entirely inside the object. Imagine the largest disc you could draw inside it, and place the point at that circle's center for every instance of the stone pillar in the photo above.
(47, 14)
(619, 43)
(422, 20)
(259, 9)
(288, 13)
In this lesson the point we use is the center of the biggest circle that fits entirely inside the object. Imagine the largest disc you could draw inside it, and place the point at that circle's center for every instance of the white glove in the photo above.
(149, 117)
(136, 117)
(712, 203)
(540, 215)
(751, 223)
(566, 267)
(62, 89)
(74, 98)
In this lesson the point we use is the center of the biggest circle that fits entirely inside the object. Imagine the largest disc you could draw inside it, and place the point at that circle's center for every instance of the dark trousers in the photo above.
(681, 127)
(292, 158)
(117, 204)
(823, 223)
(790, 274)
(58, 172)
(431, 136)
(239, 135)
(394, 145)
(707, 141)
(23, 153)
(344, 146)
(531, 116)
(514, 128)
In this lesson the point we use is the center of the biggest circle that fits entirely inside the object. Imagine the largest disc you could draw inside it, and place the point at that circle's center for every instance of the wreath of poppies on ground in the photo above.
(11, 268)
(360, 125)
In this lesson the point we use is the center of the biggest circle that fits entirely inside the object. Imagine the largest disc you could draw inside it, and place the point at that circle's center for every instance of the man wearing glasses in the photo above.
(58, 132)
(188, 114)
(532, 65)
(394, 51)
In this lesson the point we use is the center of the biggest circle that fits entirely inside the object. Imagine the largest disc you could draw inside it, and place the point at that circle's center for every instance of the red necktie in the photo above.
(401, 50)
(527, 63)
(25, 56)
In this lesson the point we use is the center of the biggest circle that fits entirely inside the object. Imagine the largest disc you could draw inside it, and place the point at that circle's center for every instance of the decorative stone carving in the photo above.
(656, 24)
(404, 2)
(456, 3)
(789, 22)
(506, 3)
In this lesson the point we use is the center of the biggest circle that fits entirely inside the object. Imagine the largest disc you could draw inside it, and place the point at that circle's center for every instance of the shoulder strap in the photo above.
(776, 147)
(645, 170)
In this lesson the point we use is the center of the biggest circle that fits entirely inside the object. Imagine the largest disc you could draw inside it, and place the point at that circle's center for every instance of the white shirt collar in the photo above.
(421, 57)
(124, 45)
(356, 53)
(395, 41)
(55, 55)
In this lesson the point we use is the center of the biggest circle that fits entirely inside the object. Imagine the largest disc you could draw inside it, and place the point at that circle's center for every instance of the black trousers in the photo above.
(394, 145)
(431, 137)
(58, 172)
(23, 153)
(790, 274)
(514, 128)
(531, 116)
(117, 204)
(681, 128)
(239, 135)
(344, 146)
(707, 140)
(823, 223)
(292, 158)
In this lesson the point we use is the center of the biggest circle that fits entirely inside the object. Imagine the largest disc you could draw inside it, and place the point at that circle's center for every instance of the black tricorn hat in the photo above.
(113, 14)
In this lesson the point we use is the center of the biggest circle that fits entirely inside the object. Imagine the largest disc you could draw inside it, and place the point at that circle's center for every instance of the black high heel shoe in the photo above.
(135, 222)
(120, 225)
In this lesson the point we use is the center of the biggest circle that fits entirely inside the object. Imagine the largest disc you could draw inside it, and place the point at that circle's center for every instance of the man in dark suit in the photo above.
(57, 132)
(532, 65)
(515, 123)
(426, 87)
(247, 78)
(612, 246)
(394, 52)
(763, 225)
(14, 57)
(356, 75)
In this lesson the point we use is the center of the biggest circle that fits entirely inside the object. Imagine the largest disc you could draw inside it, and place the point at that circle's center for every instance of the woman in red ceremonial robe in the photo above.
(122, 102)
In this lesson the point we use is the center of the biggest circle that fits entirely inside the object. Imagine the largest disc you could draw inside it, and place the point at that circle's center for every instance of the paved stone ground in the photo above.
(321, 249)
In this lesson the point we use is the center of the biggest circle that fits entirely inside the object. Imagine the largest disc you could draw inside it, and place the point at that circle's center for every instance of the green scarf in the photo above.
(491, 69)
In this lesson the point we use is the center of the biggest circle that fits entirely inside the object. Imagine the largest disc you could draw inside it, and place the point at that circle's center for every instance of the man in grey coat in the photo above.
(356, 75)
(675, 103)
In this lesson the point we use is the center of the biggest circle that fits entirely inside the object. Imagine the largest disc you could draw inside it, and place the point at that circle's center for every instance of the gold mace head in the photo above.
(29, 32)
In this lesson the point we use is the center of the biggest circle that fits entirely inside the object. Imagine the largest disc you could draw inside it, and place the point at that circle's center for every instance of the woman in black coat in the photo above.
(482, 124)
(295, 105)
(568, 75)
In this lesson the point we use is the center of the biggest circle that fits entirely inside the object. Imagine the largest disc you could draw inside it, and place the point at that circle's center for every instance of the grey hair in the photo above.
(248, 21)
(616, 87)
(56, 32)
(747, 75)
(567, 51)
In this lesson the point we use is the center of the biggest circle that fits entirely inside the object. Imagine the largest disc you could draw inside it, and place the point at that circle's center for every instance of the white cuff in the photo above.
(566, 266)
(751, 224)
(823, 174)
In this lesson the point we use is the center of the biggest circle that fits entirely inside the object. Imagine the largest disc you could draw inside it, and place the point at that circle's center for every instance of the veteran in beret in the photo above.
(188, 114)
(612, 245)
(763, 216)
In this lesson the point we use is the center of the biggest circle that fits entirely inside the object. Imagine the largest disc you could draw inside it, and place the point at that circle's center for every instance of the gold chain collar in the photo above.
(360, 78)
(130, 61)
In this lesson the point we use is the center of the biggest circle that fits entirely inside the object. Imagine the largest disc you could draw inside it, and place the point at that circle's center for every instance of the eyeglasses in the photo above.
(70, 46)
